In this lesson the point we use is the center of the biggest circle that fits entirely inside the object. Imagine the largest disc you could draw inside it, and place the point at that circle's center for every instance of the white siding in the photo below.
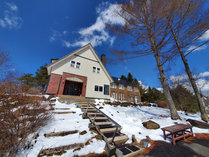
(86, 69)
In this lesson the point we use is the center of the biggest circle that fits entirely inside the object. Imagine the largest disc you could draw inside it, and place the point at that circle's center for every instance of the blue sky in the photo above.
(33, 32)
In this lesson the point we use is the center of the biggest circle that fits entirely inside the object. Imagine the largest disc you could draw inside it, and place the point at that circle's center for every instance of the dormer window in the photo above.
(78, 65)
(72, 64)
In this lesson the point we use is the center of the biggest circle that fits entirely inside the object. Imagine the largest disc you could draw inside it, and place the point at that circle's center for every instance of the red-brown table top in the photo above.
(177, 127)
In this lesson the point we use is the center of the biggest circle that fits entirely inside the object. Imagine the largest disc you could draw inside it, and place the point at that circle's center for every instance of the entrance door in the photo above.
(73, 88)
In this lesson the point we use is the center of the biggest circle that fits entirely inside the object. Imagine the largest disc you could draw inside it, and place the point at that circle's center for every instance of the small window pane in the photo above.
(106, 90)
(94, 69)
(96, 88)
(100, 88)
(78, 65)
(72, 64)
(98, 70)
(113, 85)
(121, 86)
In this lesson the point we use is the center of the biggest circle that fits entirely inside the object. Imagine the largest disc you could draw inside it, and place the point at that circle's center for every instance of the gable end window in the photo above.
(72, 64)
(94, 69)
(78, 65)
(98, 70)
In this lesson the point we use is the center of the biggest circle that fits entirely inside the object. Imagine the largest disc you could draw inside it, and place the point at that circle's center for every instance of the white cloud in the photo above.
(12, 6)
(202, 81)
(205, 36)
(10, 19)
(66, 43)
(96, 34)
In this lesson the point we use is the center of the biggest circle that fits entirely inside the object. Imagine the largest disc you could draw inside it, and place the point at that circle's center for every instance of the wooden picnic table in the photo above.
(177, 132)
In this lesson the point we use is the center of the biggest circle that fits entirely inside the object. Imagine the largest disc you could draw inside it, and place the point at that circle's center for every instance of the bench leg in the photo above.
(173, 139)
(164, 134)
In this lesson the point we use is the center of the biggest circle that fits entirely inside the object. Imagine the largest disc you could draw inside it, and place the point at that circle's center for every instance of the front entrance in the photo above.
(73, 88)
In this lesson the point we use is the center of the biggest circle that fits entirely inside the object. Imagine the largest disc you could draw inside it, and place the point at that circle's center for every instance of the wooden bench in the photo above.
(177, 132)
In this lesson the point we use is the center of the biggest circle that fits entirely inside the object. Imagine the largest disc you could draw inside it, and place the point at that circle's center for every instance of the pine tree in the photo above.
(41, 77)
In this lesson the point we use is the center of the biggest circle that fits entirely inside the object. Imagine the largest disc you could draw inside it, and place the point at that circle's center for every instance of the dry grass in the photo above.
(20, 116)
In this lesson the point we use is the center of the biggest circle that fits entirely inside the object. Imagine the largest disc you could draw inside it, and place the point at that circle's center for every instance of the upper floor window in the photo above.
(136, 89)
(121, 86)
(129, 88)
(72, 64)
(113, 85)
(94, 69)
(98, 70)
(78, 65)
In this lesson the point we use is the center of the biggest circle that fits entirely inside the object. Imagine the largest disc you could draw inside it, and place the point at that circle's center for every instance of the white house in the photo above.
(80, 73)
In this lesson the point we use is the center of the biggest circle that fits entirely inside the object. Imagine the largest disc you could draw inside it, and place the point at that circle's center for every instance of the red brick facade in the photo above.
(57, 83)
(67, 75)
(53, 85)
(128, 96)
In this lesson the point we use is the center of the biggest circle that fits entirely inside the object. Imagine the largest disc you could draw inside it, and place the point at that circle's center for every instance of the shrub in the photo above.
(162, 103)
(20, 116)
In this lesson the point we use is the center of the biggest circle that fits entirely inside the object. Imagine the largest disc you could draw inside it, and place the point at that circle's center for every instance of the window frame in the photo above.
(129, 88)
(72, 63)
(78, 63)
(94, 69)
(96, 88)
(121, 86)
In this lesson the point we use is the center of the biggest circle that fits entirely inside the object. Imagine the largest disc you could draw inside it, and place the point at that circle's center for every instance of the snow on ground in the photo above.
(65, 122)
(132, 117)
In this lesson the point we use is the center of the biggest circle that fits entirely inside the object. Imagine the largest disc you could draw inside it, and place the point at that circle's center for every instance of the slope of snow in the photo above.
(131, 119)
(65, 122)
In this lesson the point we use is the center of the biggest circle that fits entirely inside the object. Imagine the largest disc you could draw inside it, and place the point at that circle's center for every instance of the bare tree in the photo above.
(150, 35)
(187, 25)
(4, 58)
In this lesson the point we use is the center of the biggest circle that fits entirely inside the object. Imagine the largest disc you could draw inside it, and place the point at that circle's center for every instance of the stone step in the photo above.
(119, 139)
(108, 130)
(103, 123)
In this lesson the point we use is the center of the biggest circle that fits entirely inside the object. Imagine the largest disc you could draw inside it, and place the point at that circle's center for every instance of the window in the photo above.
(78, 65)
(121, 86)
(72, 64)
(130, 97)
(98, 70)
(121, 96)
(113, 85)
(96, 88)
(129, 88)
(136, 89)
(100, 88)
(94, 69)
(136, 99)
(106, 90)
(114, 95)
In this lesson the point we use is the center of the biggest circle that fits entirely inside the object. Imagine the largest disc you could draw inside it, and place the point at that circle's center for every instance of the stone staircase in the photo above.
(109, 130)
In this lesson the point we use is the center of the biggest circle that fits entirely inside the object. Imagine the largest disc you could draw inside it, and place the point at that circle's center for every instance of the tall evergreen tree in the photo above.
(42, 77)
(27, 79)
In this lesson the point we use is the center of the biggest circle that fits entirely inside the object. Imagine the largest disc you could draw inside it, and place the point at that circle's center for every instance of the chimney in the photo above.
(103, 59)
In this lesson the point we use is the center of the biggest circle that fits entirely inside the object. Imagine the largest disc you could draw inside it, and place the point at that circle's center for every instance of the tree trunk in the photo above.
(166, 91)
(204, 116)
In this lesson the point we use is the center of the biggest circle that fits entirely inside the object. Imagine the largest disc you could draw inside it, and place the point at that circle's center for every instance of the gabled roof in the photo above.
(88, 46)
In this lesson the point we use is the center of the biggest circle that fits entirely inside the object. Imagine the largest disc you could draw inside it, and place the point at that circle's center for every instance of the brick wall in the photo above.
(66, 75)
(53, 84)
(126, 93)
